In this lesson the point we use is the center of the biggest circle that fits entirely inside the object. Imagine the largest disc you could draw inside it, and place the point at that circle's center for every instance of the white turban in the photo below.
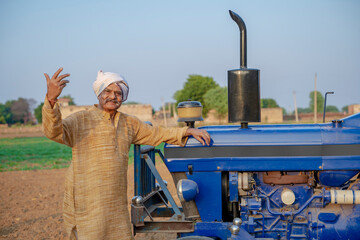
(104, 79)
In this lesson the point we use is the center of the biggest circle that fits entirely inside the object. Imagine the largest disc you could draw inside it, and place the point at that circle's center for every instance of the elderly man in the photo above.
(95, 199)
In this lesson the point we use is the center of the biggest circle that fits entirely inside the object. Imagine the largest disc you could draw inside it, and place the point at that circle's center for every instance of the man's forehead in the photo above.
(113, 87)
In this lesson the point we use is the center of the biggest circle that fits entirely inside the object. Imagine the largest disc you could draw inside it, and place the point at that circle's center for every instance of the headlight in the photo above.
(187, 190)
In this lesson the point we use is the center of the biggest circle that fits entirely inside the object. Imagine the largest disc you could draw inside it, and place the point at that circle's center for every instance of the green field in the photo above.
(18, 154)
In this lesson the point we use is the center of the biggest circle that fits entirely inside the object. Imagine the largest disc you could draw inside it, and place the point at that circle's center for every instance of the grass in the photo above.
(32, 153)
(17, 154)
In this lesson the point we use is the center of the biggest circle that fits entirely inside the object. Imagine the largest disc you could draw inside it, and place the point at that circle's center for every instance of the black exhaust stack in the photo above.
(243, 85)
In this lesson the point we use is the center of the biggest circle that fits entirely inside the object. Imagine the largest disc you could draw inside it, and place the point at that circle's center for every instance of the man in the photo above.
(95, 199)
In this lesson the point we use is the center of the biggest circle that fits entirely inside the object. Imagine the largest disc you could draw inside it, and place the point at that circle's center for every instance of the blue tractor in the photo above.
(296, 181)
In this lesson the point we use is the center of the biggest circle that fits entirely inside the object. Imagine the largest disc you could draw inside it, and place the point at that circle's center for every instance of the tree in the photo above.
(217, 98)
(17, 111)
(320, 101)
(332, 108)
(2, 120)
(285, 112)
(194, 89)
(304, 110)
(20, 110)
(38, 112)
(71, 102)
(268, 103)
(32, 104)
(345, 109)
(5, 113)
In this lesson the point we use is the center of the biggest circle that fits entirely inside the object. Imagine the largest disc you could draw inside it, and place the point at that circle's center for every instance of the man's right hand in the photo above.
(55, 85)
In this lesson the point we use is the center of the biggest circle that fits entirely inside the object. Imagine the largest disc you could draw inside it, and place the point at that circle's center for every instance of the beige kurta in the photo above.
(95, 198)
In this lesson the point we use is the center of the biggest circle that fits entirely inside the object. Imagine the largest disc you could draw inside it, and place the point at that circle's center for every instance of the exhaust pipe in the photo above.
(243, 46)
(243, 85)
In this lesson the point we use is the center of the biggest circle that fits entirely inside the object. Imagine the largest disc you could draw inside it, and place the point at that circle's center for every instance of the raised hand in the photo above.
(55, 85)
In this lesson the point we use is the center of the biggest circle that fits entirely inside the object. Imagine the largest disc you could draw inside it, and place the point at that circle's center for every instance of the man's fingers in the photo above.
(205, 135)
(47, 77)
(61, 77)
(64, 82)
(201, 135)
(56, 74)
(200, 140)
(203, 140)
(207, 139)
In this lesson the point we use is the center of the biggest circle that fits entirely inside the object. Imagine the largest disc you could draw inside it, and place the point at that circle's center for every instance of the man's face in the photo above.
(110, 98)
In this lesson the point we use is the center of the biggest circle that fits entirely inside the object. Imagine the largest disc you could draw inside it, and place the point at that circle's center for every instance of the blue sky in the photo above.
(157, 44)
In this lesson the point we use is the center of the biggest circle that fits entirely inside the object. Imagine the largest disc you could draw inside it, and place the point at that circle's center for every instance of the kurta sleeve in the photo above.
(150, 135)
(55, 128)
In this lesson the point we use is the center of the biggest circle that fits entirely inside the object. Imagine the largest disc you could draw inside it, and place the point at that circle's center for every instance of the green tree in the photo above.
(345, 109)
(304, 110)
(217, 98)
(71, 102)
(5, 112)
(332, 108)
(194, 89)
(17, 111)
(320, 101)
(2, 120)
(38, 112)
(285, 112)
(268, 103)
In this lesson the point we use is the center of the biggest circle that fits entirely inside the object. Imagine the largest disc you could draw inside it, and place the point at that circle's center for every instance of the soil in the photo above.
(31, 204)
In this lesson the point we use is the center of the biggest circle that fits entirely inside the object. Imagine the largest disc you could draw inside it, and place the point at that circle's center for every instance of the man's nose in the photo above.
(113, 95)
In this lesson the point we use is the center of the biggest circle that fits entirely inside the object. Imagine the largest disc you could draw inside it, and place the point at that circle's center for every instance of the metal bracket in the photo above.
(162, 185)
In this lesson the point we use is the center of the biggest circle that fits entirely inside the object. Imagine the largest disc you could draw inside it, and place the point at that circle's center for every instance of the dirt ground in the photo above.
(31, 204)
